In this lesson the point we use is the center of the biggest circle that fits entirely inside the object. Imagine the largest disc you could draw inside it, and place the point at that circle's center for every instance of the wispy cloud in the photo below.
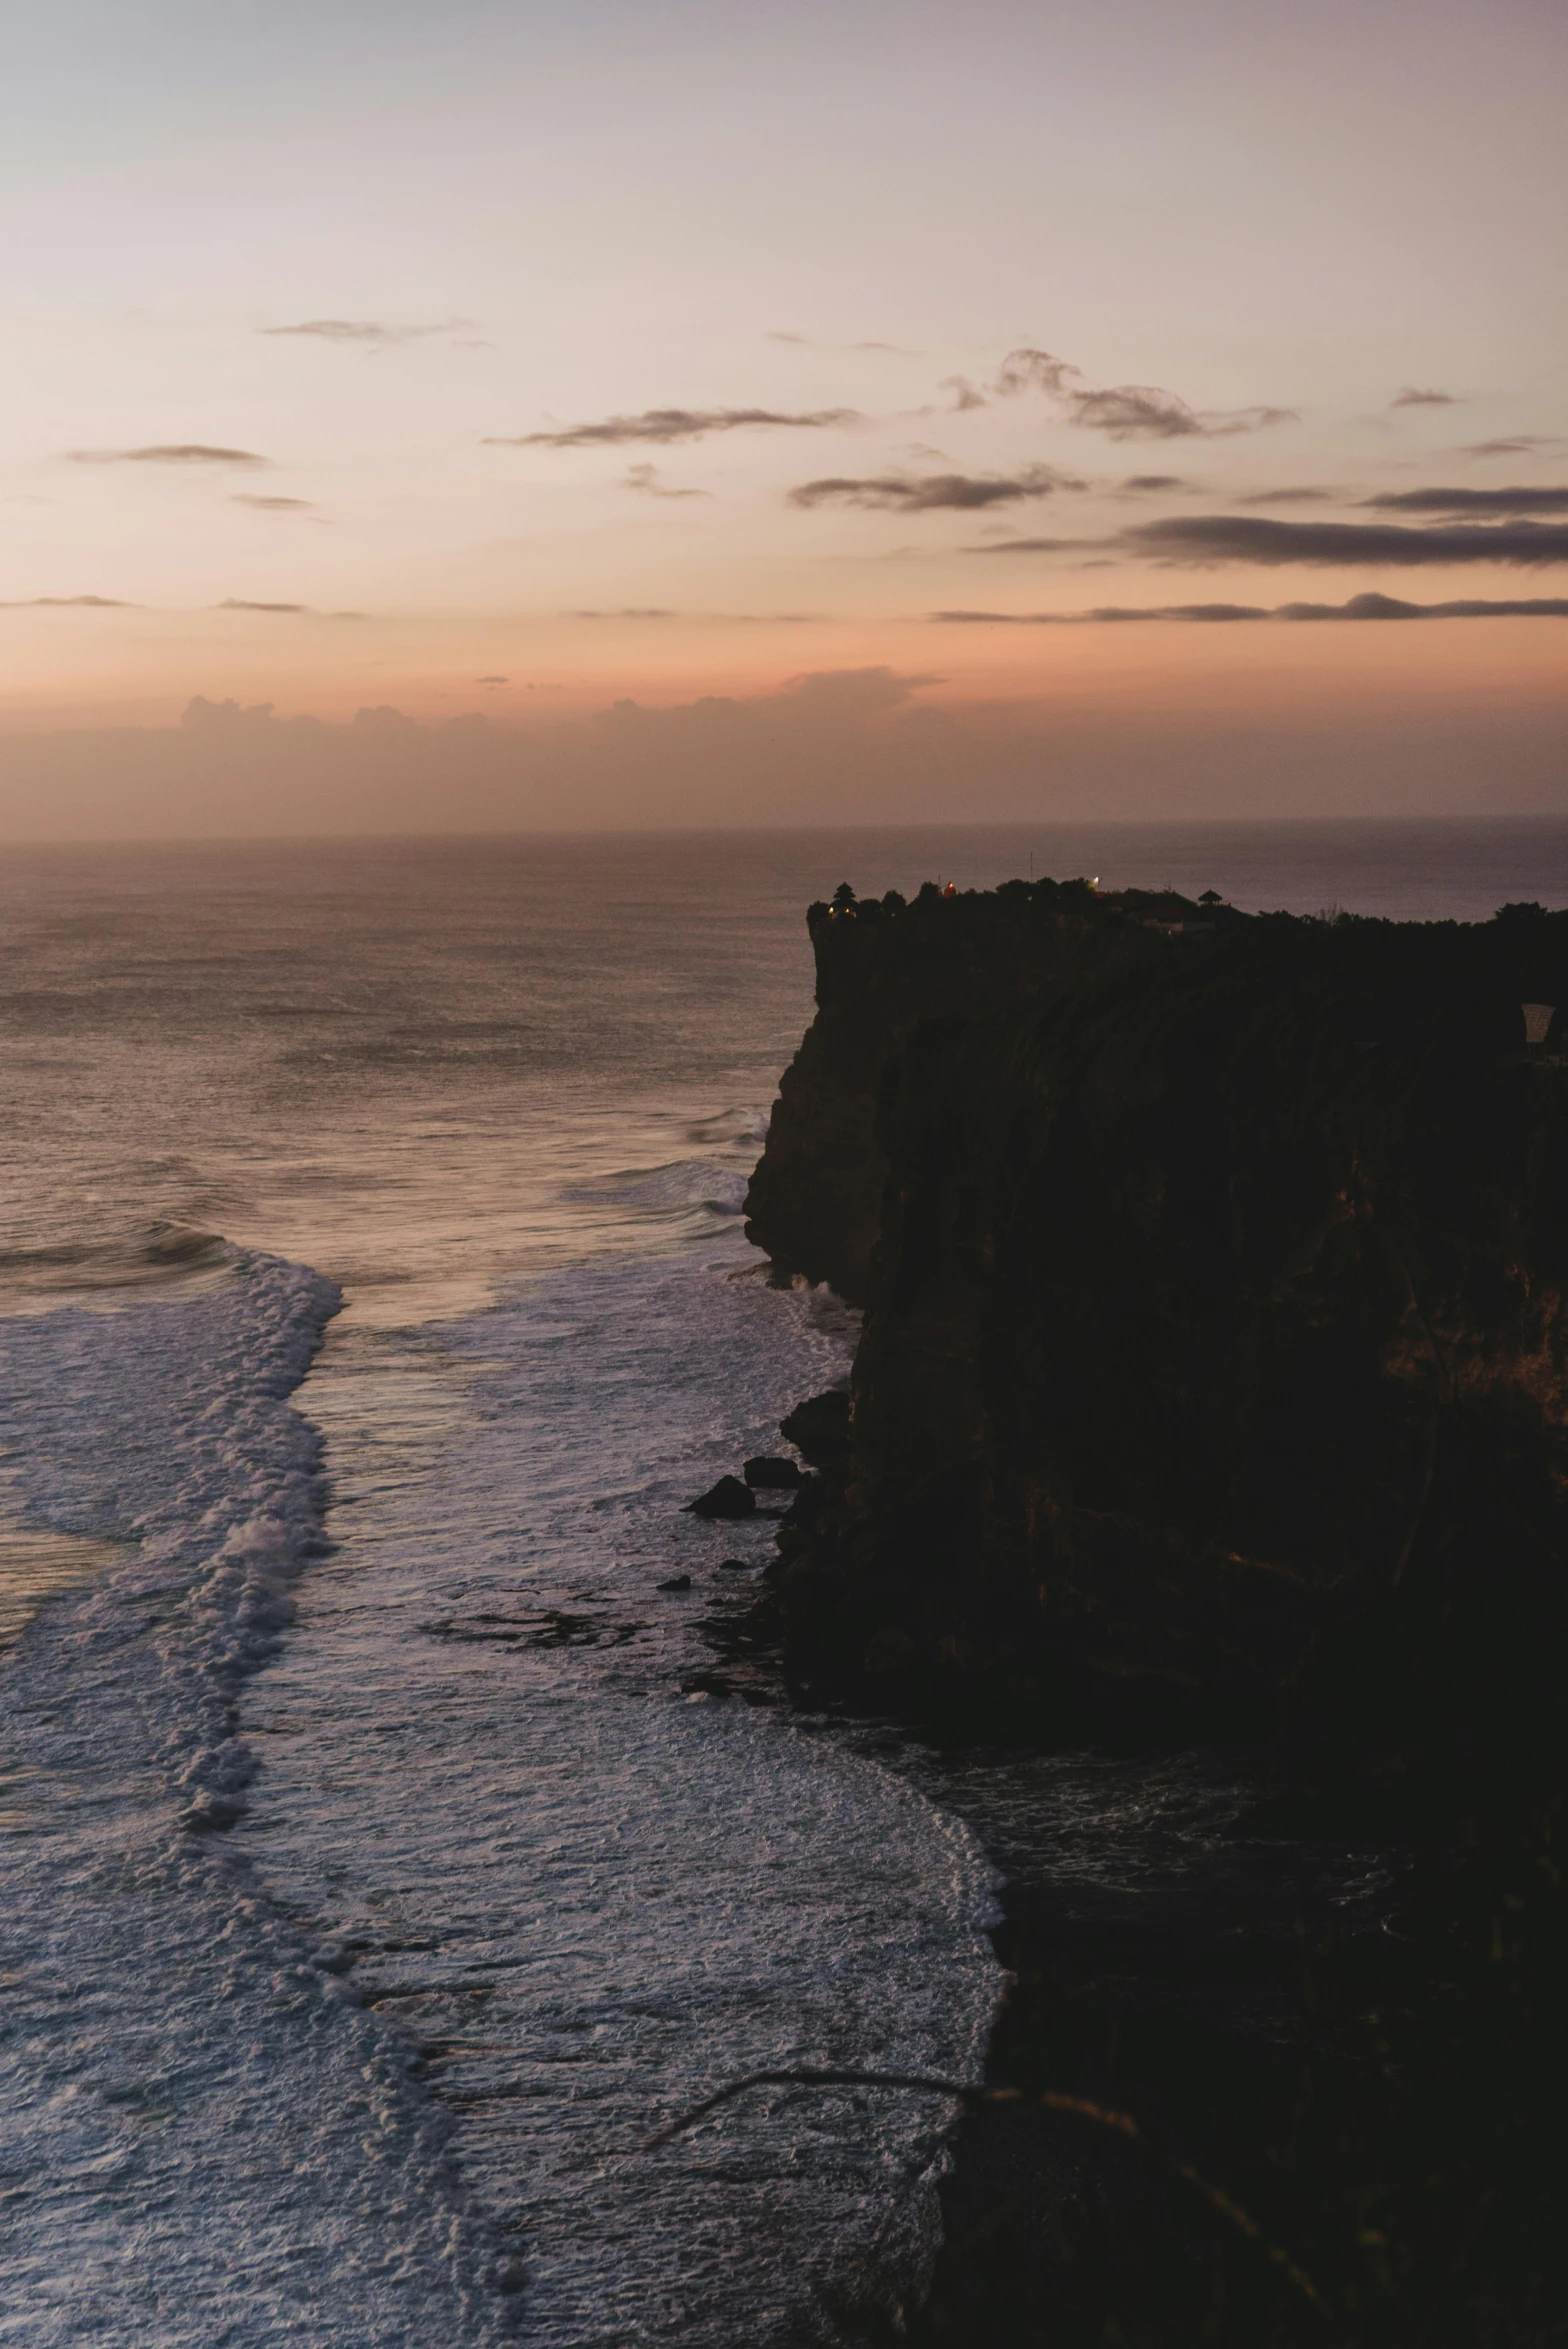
(245, 603)
(897, 350)
(1514, 500)
(1414, 397)
(705, 619)
(1289, 497)
(373, 331)
(1519, 444)
(1359, 607)
(1152, 483)
(181, 452)
(270, 505)
(903, 493)
(646, 479)
(1125, 411)
(68, 603)
(666, 425)
(492, 680)
(1249, 538)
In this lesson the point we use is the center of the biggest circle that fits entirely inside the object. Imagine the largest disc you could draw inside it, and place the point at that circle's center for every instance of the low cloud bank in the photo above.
(828, 747)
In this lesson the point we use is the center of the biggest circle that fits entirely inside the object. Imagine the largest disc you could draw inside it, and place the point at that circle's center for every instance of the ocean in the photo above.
(383, 1857)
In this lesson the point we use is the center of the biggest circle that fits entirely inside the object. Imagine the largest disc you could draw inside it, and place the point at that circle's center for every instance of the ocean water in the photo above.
(383, 1857)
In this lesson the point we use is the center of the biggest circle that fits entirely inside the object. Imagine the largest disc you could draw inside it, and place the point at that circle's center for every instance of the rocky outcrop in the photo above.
(883, 968)
(1215, 1357)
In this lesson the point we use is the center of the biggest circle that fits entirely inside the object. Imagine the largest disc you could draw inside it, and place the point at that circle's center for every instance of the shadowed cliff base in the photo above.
(1212, 1387)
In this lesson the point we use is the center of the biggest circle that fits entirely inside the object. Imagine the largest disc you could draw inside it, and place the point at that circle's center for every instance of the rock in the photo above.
(728, 1498)
(1213, 1372)
(677, 1582)
(772, 1476)
(819, 1429)
(733, 1566)
(890, 1650)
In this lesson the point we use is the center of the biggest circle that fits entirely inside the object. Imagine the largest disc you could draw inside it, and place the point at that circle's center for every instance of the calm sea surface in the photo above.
(378, 1867)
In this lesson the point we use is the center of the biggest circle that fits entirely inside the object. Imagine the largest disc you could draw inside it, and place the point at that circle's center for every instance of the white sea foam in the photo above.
(372, 2066)
(205, 2138)
(592, 1899)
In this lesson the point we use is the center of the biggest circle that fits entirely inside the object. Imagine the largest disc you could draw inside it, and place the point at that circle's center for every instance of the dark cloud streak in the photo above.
(1514, 500)
(185, 452)
(1359, 607)
(902, 493)
(1250, 538)
(663, 426)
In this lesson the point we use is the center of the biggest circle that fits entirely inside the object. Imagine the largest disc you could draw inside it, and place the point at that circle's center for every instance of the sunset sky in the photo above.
(845, 363)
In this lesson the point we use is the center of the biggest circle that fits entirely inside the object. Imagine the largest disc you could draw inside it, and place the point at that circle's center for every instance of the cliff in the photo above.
(883, 969)
(1215, 1357)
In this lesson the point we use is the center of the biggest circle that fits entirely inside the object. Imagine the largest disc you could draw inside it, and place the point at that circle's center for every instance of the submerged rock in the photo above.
(676, 1582)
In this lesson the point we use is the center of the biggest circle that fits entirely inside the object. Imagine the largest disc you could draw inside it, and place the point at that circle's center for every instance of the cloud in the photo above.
(69, 603)
(1289, 497)
(965, 394)
(666, 425)
(1125, 411)
(1359, 607)
(1389, 607)
(1520, 444)
(806, 344)
(646, 479)
(185, 452)
(359, 330)
(1152, 482)
(873, 750)
(245, 603)
(492, 680)
(1248, 538)
(1235, 538)
(1412, 397)
(1473, 501)
(628, 612)
(270, 505)
(900, 493)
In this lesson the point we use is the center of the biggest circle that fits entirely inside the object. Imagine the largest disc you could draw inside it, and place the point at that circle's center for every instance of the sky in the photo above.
(699, 411)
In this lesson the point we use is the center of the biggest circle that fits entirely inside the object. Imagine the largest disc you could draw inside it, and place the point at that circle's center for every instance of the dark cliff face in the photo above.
(816, 1197)
(1215, 1362)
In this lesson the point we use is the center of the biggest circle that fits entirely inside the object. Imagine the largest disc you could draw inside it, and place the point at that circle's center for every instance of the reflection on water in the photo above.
(35, 1562)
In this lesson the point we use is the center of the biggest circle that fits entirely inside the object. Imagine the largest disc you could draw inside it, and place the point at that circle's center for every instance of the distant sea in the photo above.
(378, 1866)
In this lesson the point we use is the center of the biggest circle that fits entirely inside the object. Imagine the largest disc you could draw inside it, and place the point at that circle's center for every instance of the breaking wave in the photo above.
(181, 2067)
